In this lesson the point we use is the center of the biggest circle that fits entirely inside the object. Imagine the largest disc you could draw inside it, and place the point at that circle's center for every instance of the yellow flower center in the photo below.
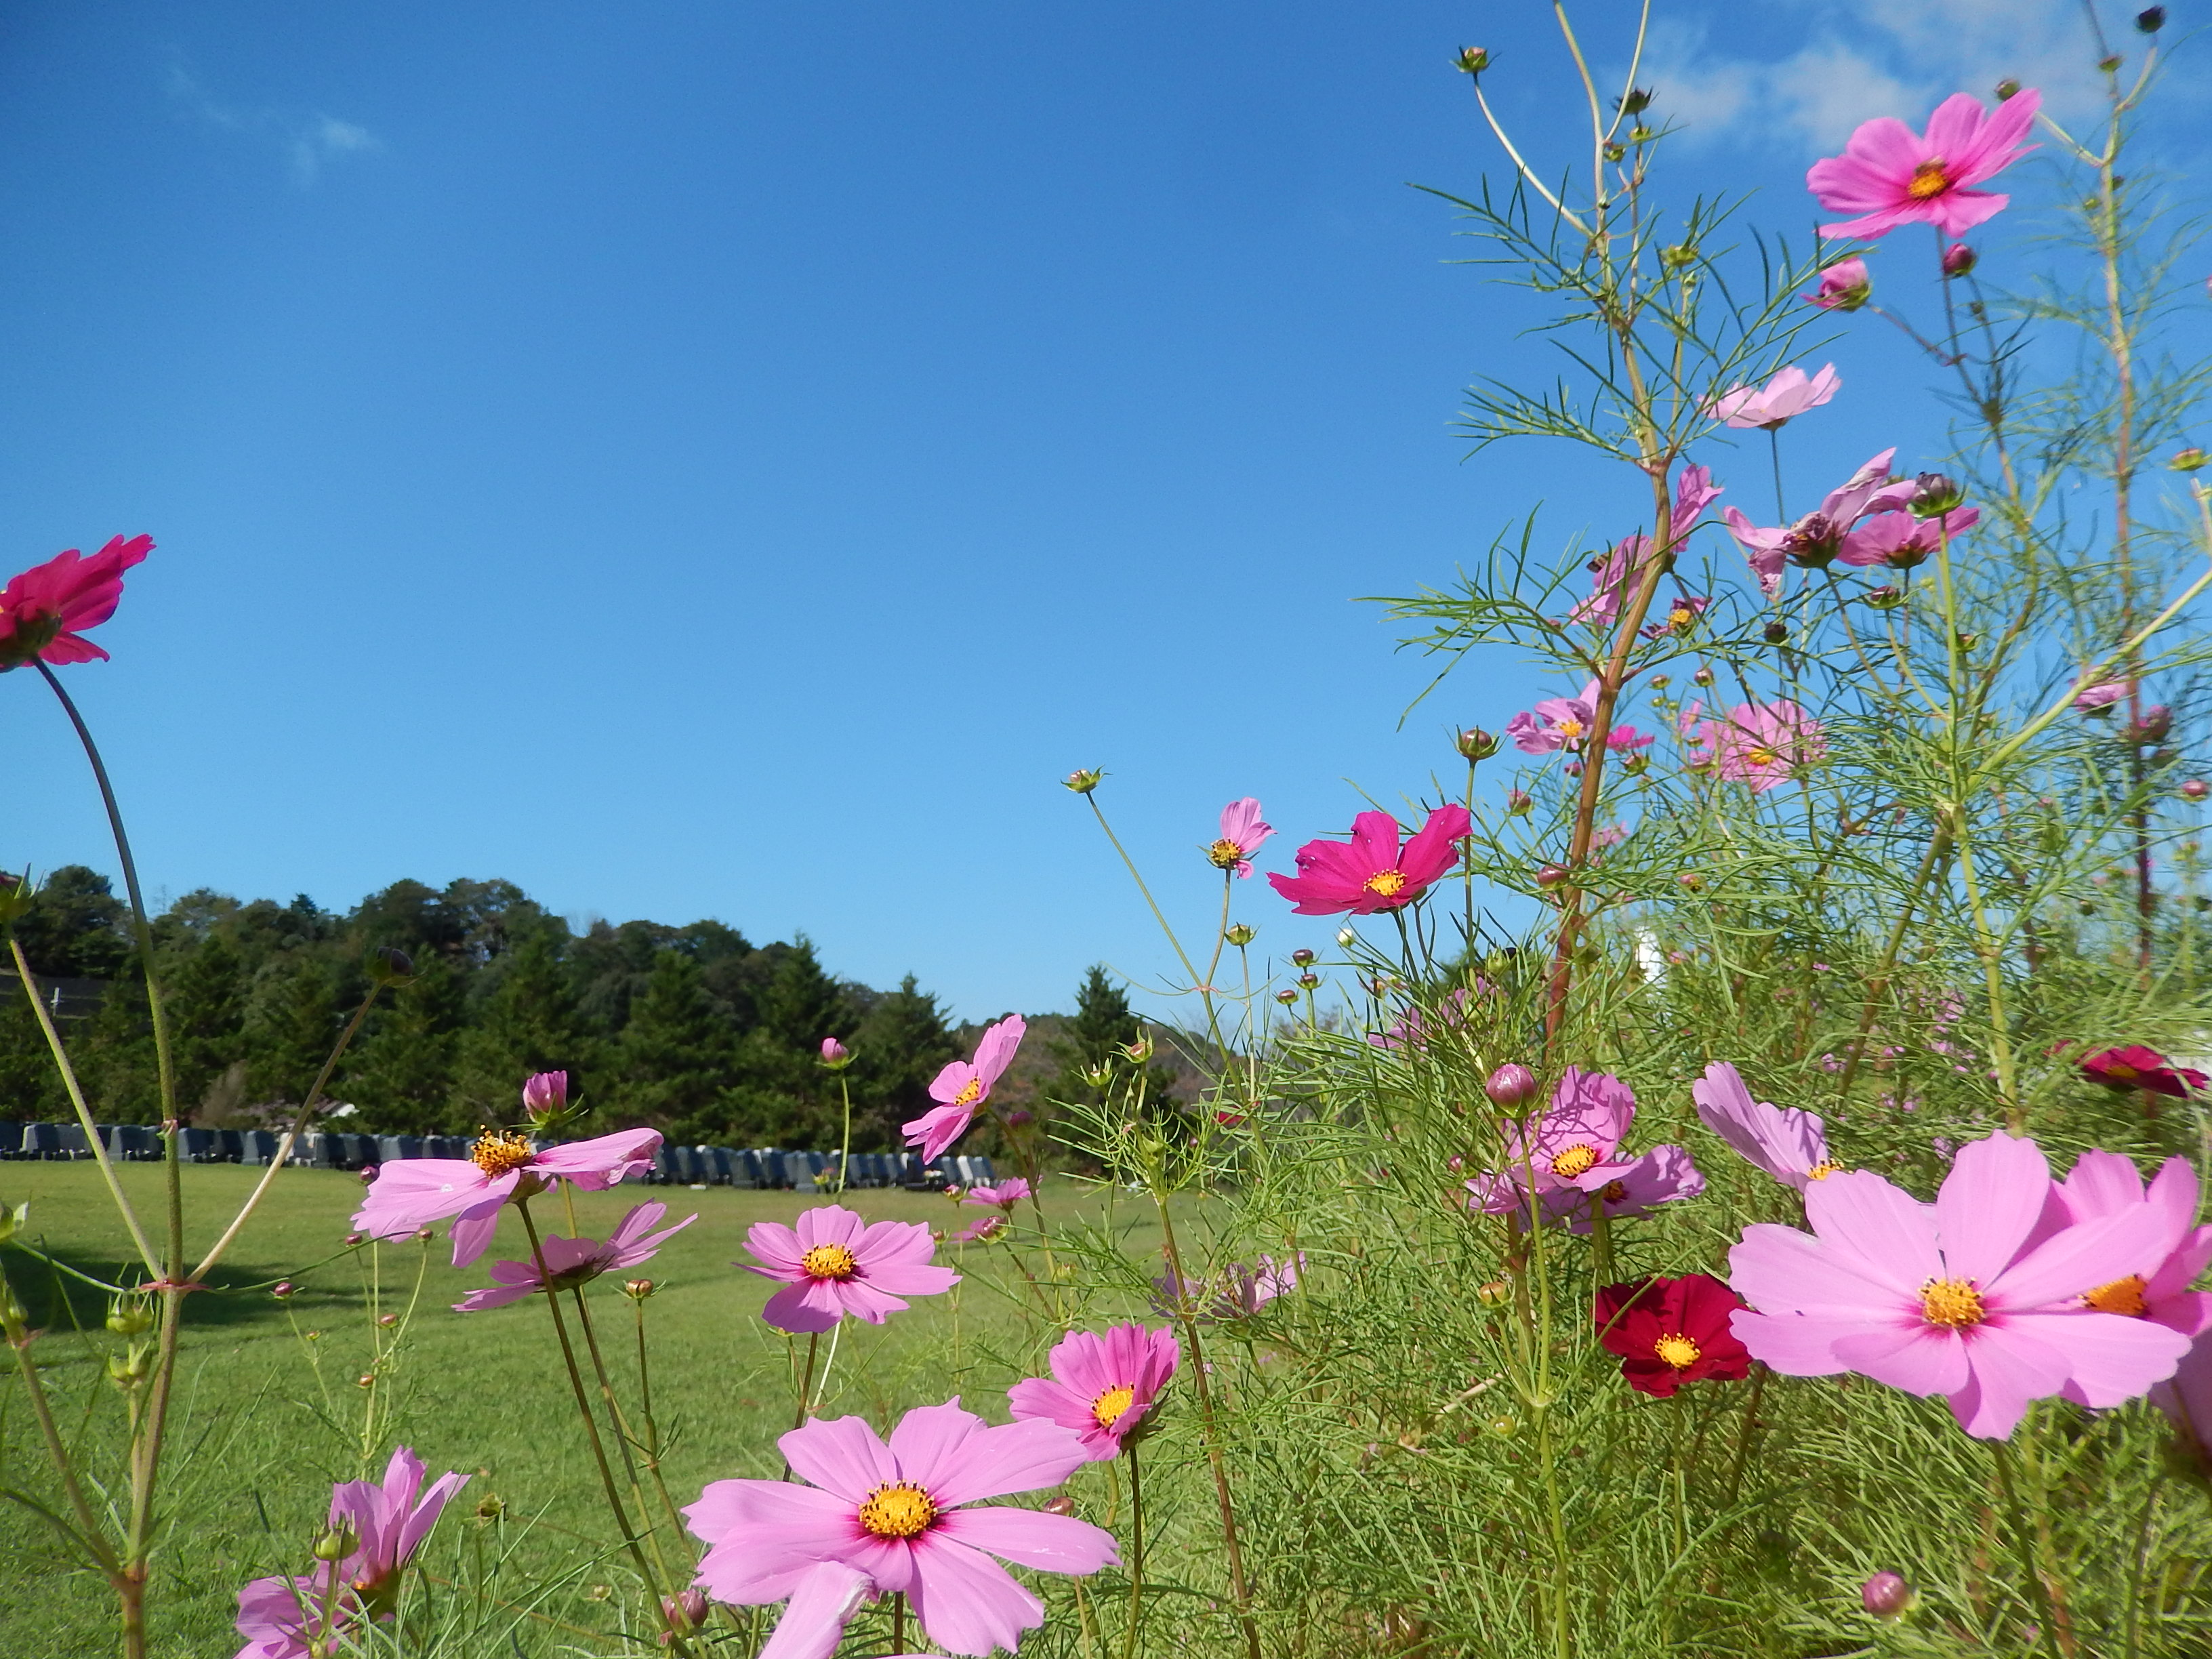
(1574, 1161)
(1681, 619)
(1823, 1169)
(1571, 729)
(1225, 854)
(1677, 1351)
(1761, 757)
(2122, 1295)
(830, 1262)
(970, 1092)
(2122, 1070)
(1929, 178)
(1953, 1302)
(1109, 1408)
(900, 1510)
(497, 1151)
(1386, 884)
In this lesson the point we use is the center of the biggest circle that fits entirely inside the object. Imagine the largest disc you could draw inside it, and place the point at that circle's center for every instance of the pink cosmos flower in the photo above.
(1413, 1028)
(1007, 1194)
(503, 1168)
(1818, 538)
(1889, 176)
(1957, 1297)
(281, 1617)
(1101, 1387)
(1370, 873)
(1844, 286)
(2158, 1288)
(1788, 395)
(1788, 1143)
(962, 1087)
(1901, 541)
(1555, 723)
(1569, 1157)
(45, 610)
(2138, 1068)
(2097, 698)
(901, 1517)
(574, 1262)
(833, 1263)
(1682, 613)
(1614, 577)
(983, 1232)
(1760, 743)
(1242, 832)
(1238, 1292)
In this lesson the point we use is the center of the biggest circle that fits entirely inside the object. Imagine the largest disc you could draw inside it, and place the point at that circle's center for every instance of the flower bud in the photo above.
(2196, 789)
(1475, 744)
(1692, 882)
(1084, 781)
(2150, 20)
(1518, 804)
(1886, 1595)
(491, 1507)
(1958, 259)
(1635, 764)
(2152, 726)
(131, 1317)
(353, 1240)
(1776, 634)
(1885, 597)
(369, 1174)
(283, 1289)
(1494, 1294)
(387, 1320)
(1681, 254)
(1347, 938)
(1139, 1051)
(1019, 1119)
(1660, 682)
(835, 1055)
(2007, 88)
(686, 1612)
(1511, 1084)
(1309, 981)
(1303, 958)
(1241, 934)
(1704, 676)
(2187, 460)
(1549, 876)
(638, 1289)
(391, 967)
(1062, 1504)
(335, 1545)
(1286, 995)
(1638, 100)
(1472, 60)
(1934, 494)
(366, 1380)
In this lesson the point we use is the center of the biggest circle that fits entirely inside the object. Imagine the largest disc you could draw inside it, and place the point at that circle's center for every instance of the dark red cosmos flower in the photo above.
(2138, 1068)
(42, 611)
(1672, 1331)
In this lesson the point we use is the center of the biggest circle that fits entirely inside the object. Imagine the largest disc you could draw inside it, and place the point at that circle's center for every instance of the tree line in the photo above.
(692, 1029)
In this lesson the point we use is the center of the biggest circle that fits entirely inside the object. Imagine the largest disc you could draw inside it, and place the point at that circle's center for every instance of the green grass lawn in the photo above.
(270, 1408)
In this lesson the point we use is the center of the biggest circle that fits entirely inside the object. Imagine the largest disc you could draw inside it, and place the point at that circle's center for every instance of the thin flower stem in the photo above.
(1746, 1434)
(2024, 1541)
(88, 1530)
(807, 1381)
(146, 1253)
(623, 1440)
(1205, 990)
(1136, 1554)
(898, 1622)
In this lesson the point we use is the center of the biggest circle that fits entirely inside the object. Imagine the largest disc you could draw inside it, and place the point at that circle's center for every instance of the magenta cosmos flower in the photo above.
(1242, 832)
(1788, 1143)
(1370, 873)
(280, 1616)
(833, 1263)
(1101, 1387)
(1569, 1157)
(962, 1087)
(2096, 698)
(1889, 176)
(1815, 540)
(44, 610)
(570, 1262)
(1958, 1297)
(1565, 723)
(901, 1515)
(1783, 398)
(1614, 577)
(410, 1193)
(1900, 540)
(1007, 1194)
(2138, 1068)
(1844, 286)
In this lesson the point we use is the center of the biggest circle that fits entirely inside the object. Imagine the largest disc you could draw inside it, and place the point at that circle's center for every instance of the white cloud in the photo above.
(309, 140)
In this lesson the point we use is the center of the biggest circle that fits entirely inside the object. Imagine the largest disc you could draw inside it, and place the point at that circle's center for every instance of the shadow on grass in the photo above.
(55, 1299)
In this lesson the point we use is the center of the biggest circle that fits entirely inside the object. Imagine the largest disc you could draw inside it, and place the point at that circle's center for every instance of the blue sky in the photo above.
(731, 459)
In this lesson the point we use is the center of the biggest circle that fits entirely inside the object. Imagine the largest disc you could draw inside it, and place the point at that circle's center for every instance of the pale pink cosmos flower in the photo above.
(1555, 723)
(1760, 743)
(962, 1087)
(1569, 1159)
(901, 1518)
(833, 1263)
(1371, 873)
(1242, 832)
(1957, 1297)
(547, 1091)
(1683, 610)
(2158, 1286)
(1613, 577)
(280, 1617)
(2095, 699)
(1844, 286)
(1101, 1387)
(1789, 1143)
(1816, 539)
(412, 1193)
(1900, 540)
(1007, 1194)
(1788, 395)
(1237, 1293)
(570, 1262)
(1889, 176)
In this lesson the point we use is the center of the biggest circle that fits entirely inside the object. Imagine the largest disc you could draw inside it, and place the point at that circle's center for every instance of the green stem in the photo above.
(1136, 1554)
(2024, 1541)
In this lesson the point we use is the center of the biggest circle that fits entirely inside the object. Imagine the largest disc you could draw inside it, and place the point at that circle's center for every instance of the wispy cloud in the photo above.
(307, 140)
(1866, 57)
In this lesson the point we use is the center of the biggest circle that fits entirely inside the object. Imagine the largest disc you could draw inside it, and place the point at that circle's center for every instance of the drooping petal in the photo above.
(967, 1602)
(814, 1624)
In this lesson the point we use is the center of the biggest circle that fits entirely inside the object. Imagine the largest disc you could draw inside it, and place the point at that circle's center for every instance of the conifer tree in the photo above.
(898, 1046)
(401, 1071)
(291, 1021)
(527, 1024)
(674, 1060)
(204, 988)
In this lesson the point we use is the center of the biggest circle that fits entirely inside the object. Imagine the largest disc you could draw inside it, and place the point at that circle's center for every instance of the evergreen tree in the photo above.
(77, 929)
(291, 1022)
(1103, 1025)
(204, 996)
(114, 1054)
(400, 1072)
(30, 1086)
(674, 1059)
(527, 1023)
(898, 1046)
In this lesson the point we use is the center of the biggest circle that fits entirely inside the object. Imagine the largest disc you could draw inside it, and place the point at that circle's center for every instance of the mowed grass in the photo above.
(270, 1408)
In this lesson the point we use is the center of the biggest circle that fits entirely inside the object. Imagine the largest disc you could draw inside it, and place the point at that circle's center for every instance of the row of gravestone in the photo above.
(681, 1166)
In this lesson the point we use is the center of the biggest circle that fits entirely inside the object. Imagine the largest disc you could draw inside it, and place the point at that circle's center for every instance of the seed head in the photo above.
(2150, 20)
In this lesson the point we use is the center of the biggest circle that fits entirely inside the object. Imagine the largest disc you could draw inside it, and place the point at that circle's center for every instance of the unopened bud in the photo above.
(1660, 682)
(1475, 744)
(1286, 995)
(1518, 802)
(1139, 1051)
(1019, 1119)
(1958, 259)
(1303, 958)
(1886, 1595)
(2153, 724)
(354, 1239)
(283, 1289)
(1885, 597)
(1511, 1084)
(1472, 60)
(1692, 881)
(130, 1318)
(1635, 764)
(686, 1612)
(1062, 1504)
(1638, 100)
(2007, 88)
(1084, 781)
(1549, 876)
(387, 1320)
(1241, 935)
(335, 1545)
(2150, 20)
(2187, 460)
(1934, 494)
(1702, 676)
(369, 1173)
(2196, 789)
(1309, 981)
(835, 1055)
(1495, 1294)
(366, 1380)
(1776, 634)
(638, 1289)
